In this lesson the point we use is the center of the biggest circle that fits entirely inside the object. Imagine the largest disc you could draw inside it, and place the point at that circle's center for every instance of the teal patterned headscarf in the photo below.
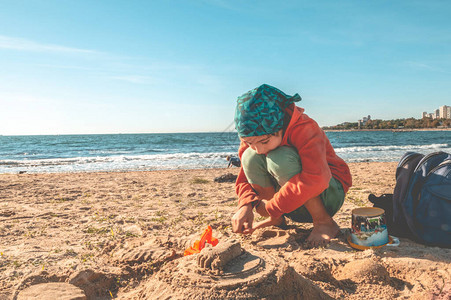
(261, 111)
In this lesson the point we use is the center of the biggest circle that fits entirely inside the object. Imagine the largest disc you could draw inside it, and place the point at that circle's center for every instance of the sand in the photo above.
(122, 235)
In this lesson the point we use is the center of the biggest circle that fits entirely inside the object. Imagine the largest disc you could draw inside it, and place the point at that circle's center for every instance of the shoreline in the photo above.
(159, 170)
(392, 130)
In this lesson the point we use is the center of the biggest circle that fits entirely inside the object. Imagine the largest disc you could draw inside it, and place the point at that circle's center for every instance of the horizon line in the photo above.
(119, 133)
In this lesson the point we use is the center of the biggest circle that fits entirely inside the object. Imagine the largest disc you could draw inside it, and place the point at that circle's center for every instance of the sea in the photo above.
(169, 151)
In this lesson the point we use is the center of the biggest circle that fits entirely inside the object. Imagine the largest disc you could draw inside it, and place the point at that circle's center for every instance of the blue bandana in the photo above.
(261, 111)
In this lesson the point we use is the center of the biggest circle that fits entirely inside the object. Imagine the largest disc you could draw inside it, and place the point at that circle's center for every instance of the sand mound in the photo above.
(365, 270)
(51, 291)
(45, 285)
(94, 284)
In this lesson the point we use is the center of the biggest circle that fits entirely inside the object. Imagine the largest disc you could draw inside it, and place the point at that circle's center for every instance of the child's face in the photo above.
(265, 143)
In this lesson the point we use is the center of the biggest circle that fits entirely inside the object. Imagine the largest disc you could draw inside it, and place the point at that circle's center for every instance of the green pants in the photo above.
(277, 167)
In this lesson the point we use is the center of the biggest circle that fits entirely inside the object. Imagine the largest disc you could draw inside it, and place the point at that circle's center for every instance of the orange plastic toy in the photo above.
(206, 237)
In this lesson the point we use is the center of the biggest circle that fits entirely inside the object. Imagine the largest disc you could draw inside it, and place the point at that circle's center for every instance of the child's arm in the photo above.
(246, 194)
(242, 220)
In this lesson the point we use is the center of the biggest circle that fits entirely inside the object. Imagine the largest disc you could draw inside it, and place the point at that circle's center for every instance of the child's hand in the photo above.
(242, 220)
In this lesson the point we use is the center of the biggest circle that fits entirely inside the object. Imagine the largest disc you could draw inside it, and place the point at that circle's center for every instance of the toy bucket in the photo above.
(369, 227)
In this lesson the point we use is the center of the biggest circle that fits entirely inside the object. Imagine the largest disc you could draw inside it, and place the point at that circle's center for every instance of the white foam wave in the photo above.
(120, 162)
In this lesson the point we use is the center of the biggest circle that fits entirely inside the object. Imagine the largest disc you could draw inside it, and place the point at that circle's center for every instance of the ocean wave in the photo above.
(119, 162)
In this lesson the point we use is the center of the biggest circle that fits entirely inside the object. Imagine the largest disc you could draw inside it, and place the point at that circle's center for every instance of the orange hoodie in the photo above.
(319, 163)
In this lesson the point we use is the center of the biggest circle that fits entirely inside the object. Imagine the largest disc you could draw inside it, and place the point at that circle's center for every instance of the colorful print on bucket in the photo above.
(369, 227)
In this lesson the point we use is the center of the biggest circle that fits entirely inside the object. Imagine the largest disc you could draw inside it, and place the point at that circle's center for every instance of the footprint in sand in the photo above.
(273, 238)
(152, 252)
(148, 252)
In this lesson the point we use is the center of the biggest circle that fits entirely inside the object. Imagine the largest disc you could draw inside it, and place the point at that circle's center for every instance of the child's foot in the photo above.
(322, 233)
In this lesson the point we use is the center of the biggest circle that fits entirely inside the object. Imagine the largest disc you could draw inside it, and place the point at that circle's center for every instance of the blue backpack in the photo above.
(422, 198)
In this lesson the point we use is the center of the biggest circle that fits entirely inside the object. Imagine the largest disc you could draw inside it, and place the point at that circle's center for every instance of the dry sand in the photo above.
(122, 235)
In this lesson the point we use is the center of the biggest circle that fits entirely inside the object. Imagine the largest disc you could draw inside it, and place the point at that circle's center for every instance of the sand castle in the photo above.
(227, 271)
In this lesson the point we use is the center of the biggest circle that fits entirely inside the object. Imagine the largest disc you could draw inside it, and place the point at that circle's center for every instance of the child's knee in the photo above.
(251, 161)
(283, 163)
(255, 168)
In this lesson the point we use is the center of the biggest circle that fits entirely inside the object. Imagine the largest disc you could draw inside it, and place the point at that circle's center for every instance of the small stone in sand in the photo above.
(229, 177)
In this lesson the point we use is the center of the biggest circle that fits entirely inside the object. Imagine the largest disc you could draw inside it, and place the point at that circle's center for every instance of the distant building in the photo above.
(444, 112)
(363, 121)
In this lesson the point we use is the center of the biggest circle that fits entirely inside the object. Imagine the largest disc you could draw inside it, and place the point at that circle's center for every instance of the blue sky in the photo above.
(75, 66)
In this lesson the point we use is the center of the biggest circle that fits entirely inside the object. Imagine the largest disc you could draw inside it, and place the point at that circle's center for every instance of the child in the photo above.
(288, 166)
(233, 161)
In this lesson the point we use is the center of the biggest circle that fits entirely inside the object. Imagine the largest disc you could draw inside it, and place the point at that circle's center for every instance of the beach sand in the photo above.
(122, 235)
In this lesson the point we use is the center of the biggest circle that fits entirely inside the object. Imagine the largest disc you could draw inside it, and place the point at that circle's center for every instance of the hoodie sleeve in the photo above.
(314, 178)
